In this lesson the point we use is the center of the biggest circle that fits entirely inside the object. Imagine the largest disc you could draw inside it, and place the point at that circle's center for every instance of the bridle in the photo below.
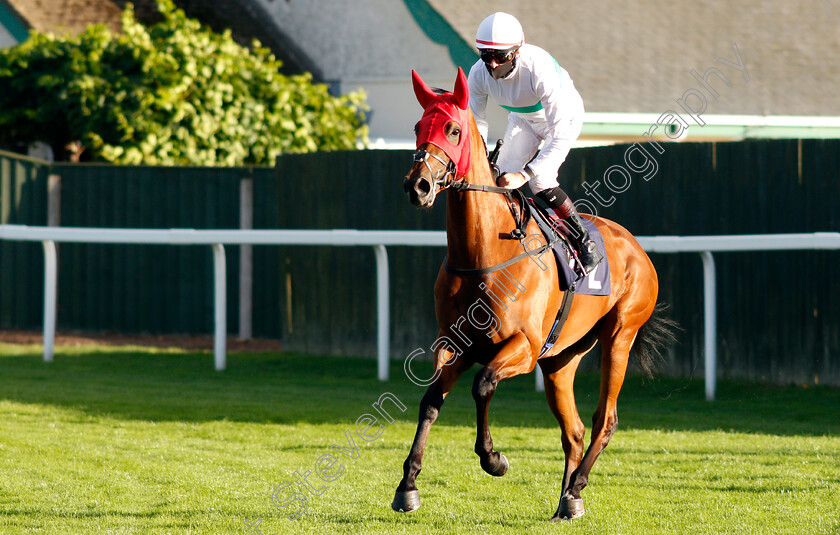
(447, 178)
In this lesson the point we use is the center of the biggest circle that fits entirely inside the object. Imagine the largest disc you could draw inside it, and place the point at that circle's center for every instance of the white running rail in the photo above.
(379, 240)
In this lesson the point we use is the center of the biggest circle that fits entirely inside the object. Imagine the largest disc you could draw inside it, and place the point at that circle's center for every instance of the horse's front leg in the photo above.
(407, 498)
(516, 357)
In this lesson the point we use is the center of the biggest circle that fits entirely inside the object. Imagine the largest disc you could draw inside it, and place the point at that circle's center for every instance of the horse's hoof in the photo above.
(569, 509)
(497, 468)
(406, 501)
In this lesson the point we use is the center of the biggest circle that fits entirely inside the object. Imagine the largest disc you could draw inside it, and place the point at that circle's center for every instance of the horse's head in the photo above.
(443, 140)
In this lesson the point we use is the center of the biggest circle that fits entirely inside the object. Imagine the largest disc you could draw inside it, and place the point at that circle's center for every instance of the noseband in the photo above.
(447, 178)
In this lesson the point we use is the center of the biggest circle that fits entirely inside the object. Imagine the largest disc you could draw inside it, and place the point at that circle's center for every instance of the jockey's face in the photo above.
(499, 63)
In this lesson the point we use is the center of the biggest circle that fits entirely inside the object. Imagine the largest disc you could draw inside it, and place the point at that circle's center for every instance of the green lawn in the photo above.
(134, 440)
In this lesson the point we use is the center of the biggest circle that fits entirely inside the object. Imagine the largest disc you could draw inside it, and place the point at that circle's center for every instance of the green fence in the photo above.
(327, 297)
(23, 201)
(779, 317)
(145, 288)
(778, 313)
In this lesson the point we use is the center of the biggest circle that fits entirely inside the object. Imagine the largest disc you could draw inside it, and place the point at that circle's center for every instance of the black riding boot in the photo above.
(562, 205)
(588, 252)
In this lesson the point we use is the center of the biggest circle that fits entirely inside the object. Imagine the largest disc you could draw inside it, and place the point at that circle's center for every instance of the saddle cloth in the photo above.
(598, 280)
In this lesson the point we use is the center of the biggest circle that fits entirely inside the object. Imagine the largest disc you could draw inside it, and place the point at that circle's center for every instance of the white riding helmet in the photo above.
(499, 31)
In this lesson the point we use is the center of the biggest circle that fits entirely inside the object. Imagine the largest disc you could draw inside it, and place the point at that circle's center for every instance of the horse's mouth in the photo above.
(425, 202)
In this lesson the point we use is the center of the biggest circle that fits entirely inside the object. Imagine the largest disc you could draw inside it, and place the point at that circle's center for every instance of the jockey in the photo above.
(544, 107)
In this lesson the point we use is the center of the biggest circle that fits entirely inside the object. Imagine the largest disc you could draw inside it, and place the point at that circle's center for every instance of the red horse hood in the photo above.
(438, 111)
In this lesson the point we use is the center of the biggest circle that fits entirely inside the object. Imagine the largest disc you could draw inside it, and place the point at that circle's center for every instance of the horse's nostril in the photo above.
(423, 186)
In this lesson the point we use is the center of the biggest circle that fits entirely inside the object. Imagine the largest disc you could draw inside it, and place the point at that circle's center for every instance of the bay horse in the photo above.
(451, 155)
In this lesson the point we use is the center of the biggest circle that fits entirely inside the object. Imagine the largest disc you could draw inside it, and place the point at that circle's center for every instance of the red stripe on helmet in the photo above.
(500, 45)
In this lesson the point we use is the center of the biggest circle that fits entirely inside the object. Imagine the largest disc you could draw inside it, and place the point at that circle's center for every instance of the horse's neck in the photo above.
(475, 220)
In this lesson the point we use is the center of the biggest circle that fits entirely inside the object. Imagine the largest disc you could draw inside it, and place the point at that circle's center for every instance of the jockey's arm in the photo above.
(564, 115)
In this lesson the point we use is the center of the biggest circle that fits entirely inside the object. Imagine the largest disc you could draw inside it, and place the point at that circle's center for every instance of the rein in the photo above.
(448, 180)
(521, 216)
(519, 233)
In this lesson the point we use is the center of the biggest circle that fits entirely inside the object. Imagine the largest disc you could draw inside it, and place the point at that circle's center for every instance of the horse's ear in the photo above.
(462, 90)
(424, 93)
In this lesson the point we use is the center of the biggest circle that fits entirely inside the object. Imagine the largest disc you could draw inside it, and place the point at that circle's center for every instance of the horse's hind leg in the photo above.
(616, 341)
(559, 373)
(407, 498)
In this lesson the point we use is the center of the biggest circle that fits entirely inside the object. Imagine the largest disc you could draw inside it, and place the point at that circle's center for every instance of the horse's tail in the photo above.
(654, 338)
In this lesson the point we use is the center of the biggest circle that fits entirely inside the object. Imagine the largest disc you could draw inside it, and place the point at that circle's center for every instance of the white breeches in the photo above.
(523, 139)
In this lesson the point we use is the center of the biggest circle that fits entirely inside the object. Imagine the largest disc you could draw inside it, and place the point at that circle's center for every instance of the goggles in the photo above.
(499, 56)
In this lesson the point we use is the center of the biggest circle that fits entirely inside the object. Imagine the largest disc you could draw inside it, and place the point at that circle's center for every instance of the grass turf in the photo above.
(135, 440)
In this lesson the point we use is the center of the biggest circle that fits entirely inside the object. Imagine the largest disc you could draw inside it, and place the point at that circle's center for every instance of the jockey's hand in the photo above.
(512, 180)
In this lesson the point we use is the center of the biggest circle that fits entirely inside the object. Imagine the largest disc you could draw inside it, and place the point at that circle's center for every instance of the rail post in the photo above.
(383, 319)
(220, 306)
(710, 323)
(50, 285)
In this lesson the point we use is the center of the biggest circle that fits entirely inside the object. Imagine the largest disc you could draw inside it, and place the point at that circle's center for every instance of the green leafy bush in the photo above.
(171, 93)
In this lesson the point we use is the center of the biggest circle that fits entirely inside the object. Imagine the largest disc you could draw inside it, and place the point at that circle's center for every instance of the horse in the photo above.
(507, 336)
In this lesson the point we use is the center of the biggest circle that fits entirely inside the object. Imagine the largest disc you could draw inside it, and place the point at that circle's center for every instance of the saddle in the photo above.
(571, 275)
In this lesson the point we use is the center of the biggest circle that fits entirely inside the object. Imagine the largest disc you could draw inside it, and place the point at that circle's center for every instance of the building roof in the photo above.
(632, 62)
(67, 16)
(638, 56)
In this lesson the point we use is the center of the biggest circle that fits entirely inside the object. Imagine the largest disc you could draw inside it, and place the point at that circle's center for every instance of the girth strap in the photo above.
(562, 316)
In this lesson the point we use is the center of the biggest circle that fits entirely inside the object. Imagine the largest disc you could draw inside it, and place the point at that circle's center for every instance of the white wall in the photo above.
(372, 45)
(6, 39)
(395, 110)
(359, 38)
